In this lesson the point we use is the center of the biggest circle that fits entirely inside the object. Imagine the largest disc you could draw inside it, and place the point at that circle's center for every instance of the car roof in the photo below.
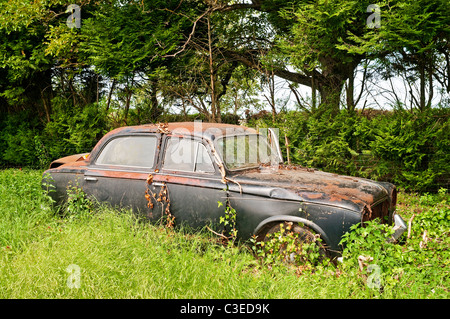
(204, 129)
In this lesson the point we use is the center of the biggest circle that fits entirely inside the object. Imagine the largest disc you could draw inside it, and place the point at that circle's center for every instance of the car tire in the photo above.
(303, 235)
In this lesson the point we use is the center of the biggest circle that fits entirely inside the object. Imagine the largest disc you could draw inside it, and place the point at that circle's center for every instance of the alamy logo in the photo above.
(73, 280)
(74, 20)
(374, 20)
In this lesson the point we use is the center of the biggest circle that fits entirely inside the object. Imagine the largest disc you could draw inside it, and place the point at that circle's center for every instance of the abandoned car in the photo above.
(186, 169)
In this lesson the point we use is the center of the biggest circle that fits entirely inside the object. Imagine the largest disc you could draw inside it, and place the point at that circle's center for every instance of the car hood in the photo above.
(311, 185)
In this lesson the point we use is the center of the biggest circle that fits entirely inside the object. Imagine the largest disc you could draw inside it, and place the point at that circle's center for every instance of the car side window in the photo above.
(203, 162)
(134, 151)
(187, 155)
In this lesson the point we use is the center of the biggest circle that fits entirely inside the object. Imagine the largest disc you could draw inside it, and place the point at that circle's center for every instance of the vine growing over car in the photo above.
(229, 222)
(161, 199)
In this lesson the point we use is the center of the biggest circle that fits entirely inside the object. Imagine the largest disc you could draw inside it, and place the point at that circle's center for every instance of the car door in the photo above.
(193, 182)
(118, 175)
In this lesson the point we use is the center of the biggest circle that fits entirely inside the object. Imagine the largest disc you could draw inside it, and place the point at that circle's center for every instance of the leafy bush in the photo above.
(421, 258)
(27, 141)
(370, 245)
(17, 139)
(73, 130)
(285, 246)
(78, 204)
(416, 146)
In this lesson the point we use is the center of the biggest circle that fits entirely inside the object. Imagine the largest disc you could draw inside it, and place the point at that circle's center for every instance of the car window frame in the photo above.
(224, 163)
(129, 167)
(200, 141)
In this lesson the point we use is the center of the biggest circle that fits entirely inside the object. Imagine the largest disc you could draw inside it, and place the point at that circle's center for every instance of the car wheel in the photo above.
(289, 240)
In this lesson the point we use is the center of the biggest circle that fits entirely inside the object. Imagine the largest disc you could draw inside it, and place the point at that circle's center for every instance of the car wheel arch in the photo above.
(268, 223)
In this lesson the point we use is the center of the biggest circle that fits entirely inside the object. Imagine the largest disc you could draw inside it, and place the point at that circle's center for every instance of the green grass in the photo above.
(120, 257)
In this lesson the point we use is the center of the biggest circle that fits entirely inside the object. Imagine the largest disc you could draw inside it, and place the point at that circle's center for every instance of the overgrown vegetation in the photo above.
(120, 256)
(286, 246)
(27, 141)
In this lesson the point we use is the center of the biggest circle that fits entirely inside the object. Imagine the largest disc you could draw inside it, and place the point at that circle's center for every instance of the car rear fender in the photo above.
(68, 159)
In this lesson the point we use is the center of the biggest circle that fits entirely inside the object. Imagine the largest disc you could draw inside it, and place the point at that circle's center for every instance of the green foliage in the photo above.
(128, 41)
(372, 239)
(41, 152)
(26, 141)
(22, 55)
(324, 24)
(414, 261)
(284, 247)
(78, 204)
(414, 144)
(410, 42)
(17, 139)
(74, 130)
(229, 223)
(435, 221)
(127, 37)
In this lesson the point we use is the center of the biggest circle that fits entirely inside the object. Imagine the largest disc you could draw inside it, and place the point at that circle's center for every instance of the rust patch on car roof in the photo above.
(215, 129)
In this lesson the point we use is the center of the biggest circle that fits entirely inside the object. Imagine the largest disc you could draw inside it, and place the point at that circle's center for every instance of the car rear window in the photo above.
(134, 151)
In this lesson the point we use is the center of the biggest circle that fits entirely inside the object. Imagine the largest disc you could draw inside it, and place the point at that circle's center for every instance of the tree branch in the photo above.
(190, 35)
(241, 6)
(249, 61)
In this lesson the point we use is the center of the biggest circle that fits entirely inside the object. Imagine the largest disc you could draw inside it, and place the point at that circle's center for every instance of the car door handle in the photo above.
(90, 179)
(158, 184)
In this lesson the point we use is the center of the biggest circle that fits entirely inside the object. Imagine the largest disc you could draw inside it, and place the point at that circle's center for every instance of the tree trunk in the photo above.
(44, 81)
(46, 103)
(422, 85)
(110, 94)
(430, 85)
(156, 109)
(313, 93)
(129, 92)
(349, 92)
(214, 117)
(330, 96)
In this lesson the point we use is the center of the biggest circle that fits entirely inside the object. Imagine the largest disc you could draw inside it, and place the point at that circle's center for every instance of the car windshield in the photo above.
(246, 151)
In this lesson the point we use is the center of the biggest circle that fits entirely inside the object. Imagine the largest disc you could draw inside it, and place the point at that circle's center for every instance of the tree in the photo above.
(318, 30)
(26, 80)
(297, 41)
(412, 42)
(38, 48)
(197, 73)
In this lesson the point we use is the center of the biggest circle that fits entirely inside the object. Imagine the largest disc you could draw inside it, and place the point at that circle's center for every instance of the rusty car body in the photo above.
(196, 165)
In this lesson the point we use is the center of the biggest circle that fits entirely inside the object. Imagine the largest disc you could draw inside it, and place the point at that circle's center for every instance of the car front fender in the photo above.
(289, 218)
